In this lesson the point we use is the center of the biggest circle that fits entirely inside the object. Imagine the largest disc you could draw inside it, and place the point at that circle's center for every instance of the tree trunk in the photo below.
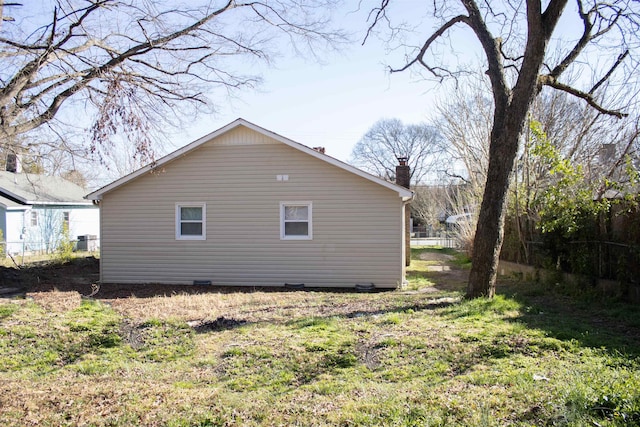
(490, 230)
(511, 110)
(505, 140)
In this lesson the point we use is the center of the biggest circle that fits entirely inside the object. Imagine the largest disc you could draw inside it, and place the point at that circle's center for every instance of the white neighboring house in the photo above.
(34, 210)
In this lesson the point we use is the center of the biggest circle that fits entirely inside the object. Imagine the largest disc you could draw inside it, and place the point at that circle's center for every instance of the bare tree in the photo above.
(429, 205)
(135, 66)
(522, 58)
(119, 161)
(598, 144)
(389, 139)
(595, 141)
(464, 121)
(620, 158)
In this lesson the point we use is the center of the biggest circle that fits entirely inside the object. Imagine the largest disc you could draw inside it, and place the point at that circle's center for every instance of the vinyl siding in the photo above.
(357, 224)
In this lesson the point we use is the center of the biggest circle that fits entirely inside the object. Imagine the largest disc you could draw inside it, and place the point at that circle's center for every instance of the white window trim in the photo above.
(179, 236)
(309, 205)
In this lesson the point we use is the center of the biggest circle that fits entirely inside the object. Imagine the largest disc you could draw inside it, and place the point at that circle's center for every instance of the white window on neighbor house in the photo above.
(296, 221)
(191, 221)
(34, 218)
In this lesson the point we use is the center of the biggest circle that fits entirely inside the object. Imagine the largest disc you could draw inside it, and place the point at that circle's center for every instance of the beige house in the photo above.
(244, 206)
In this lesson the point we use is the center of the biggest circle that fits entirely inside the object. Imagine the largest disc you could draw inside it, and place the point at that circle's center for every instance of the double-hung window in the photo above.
(296, 221)
(191, 221)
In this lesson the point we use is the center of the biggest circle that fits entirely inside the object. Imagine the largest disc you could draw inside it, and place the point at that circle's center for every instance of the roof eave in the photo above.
(404, 193)
(59, 203)
(11, 195)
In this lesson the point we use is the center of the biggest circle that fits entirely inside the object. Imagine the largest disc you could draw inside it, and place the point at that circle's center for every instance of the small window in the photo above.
(34, 218)
(295, 221)
(65, 221)
(191, 221)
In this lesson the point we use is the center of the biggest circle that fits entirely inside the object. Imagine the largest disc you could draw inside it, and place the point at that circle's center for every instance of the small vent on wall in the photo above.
(294, 285)
(202, 282)
(282, 177)
(365, 287)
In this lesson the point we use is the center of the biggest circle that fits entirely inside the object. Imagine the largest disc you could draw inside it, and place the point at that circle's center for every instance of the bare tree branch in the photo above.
(631, 139)
(608, 74)
(162, 54)
(492, 48)
(588, 97)
(379, 15)
(420, 56)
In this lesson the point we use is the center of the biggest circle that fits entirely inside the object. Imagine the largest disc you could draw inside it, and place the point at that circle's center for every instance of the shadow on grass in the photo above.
(223, 323)
(593, 323)
(597, 324)
(82, 274)
(427, 306)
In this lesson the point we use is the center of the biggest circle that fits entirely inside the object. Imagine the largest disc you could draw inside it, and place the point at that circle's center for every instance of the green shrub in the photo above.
(65, 248)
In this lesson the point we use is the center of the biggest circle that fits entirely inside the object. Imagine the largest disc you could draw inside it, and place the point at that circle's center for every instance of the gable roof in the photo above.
(33, 189)
(404, 193)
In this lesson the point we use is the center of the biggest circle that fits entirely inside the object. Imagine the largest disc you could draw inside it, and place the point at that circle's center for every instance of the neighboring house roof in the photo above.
(32, 189)
(10, 204)
(457, 219)
(97, 195)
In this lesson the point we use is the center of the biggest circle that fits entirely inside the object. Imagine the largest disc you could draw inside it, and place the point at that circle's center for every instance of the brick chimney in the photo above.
(13, 163)
(403, 173)
(403, 178)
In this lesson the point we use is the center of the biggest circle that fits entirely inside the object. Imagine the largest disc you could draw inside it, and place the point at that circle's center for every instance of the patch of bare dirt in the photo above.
(57, 301)
(77, 275)
(443, 271)
(219, 324)
(81, 276)
(435, 256)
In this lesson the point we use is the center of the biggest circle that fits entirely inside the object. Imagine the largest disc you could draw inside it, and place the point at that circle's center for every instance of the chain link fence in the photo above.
(35, 248)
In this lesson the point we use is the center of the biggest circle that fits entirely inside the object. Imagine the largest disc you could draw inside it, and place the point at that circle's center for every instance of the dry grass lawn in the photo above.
(412, 357)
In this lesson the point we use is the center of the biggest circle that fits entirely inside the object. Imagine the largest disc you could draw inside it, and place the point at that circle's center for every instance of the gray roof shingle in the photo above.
(40, 189)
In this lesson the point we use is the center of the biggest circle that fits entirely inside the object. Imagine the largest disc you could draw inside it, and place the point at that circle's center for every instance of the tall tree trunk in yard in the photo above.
(490, 230)
(511, 109)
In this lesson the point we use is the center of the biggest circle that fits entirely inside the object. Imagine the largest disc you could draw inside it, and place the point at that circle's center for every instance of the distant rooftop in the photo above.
(40, 189)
